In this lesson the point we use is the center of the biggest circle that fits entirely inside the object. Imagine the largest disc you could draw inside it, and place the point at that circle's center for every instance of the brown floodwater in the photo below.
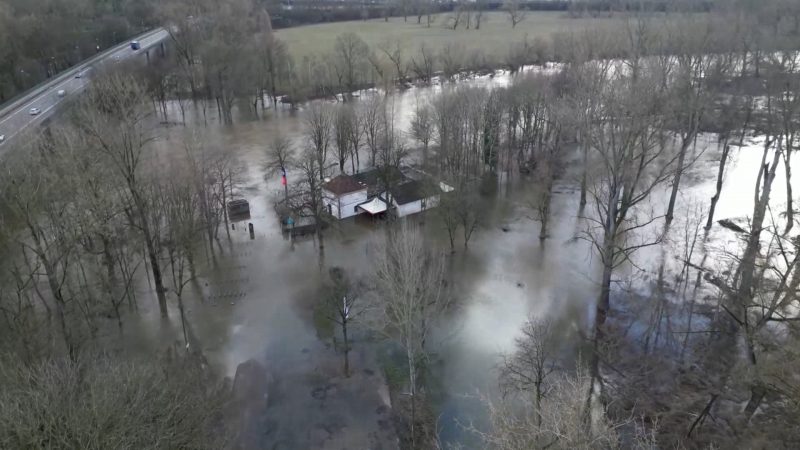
(254, 295)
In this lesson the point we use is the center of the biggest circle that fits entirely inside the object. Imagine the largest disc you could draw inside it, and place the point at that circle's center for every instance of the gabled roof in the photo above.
(413, 191)
(374, 178)
(343, 184)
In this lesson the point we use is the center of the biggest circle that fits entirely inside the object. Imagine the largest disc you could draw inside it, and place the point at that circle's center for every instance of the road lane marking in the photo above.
(124, 52)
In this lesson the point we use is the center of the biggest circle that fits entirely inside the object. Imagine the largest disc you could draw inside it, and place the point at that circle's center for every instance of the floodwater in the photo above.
(255, 296)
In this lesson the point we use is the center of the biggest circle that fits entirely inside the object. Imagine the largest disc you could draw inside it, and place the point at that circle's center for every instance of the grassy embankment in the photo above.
(492, 39)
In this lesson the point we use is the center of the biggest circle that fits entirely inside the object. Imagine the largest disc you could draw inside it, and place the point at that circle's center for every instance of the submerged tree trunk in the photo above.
(157, 279)
(723, 160)
(747, 266)
(787, 162)
(54, 285)
(346, 349)
(412, 381)
(607, 257)
(604, 303)
(583, 176)
(183, 322)
(152, 254)
(676, 182)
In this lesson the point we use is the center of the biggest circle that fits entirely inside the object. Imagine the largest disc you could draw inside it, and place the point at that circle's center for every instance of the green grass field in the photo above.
(493, 38)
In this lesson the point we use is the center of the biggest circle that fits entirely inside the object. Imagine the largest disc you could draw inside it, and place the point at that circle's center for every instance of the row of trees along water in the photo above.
(91, 207)
(236, 58)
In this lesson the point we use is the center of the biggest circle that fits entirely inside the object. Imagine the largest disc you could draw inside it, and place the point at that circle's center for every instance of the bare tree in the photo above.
(527, 369)
(788, 106)
(455, 18)
(631, 160)
(371, 115)
(342, 305)
(690, 97)
(518, 423)
(279, 158)
(452, 59)
(394, 51)
(447, 211)
(515, 12)
(200, 165)
(186, 37)
(391, 155)
(318, 125)
(734, 117)
(542, 198)
(480, 8)
(774, 283)
(308, 201)
(141, 403)
(750, 300)
(343, 125)
(423, 64)
(115, 120)
(277, 65)
(422, 128)
(178, 201)
(468, 210)
(32, 197)
(226, 172)
(351, 60)
(355, 137)
(410, 280)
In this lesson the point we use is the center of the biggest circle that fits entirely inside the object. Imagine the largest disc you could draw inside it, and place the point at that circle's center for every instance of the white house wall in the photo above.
(409, 208)
(416, 207)
(344, 206)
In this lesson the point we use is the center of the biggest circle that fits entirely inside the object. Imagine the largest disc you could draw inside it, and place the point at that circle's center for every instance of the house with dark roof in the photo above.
(342, 195)
(415, 196)
(377, 179)
(365, 192)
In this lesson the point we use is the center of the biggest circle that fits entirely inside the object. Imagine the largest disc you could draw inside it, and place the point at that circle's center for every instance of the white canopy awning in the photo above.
(374, 206)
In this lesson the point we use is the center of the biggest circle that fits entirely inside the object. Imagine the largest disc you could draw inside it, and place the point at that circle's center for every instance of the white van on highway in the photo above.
(62, 93)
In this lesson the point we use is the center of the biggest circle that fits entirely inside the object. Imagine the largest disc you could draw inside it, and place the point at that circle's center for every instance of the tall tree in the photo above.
(515, 11)
(410, 279)
(318, 128)
(115, 118)
(630, 160)
(351, 61)
(690, 95)
(280, 156)
(342, 305)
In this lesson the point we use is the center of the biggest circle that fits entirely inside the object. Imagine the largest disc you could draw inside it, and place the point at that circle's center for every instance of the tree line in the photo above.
(42, 38)
(626, 133)
(90, 210)
(95, 205)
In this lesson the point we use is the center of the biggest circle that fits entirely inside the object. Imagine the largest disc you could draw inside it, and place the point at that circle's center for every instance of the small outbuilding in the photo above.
(238, 208)
(415, 196)
(342, 195)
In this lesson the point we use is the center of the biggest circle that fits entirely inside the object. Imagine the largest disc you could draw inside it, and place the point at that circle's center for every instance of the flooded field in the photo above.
(255, 296)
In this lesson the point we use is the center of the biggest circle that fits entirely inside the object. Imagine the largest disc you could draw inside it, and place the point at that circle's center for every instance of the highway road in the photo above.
(46, 98)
